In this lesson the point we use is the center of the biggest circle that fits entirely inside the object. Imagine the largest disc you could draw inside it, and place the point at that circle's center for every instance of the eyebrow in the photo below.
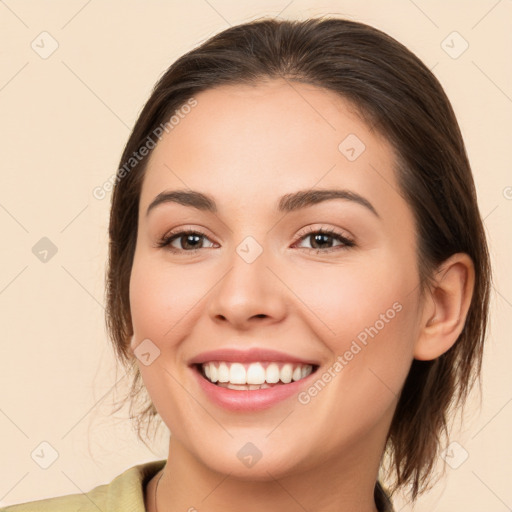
(287, 203)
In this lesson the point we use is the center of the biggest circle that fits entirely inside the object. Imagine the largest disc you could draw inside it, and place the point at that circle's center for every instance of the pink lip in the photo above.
(248, 356)
(249, 400)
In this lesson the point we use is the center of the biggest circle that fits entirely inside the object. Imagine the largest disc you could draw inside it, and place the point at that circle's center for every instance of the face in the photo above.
(330, 280)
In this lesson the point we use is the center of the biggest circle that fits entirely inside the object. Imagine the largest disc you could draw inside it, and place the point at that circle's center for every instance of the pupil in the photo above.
(188, 238)
(318, 238)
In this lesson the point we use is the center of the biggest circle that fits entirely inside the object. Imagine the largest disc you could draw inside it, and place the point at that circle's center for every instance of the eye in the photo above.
(190, 241)
(322, 240)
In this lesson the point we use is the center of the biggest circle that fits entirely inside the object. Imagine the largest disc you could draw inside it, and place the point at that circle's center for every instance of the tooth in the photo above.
(306, 370)
(297, 373)
(223, 372)
(239, 387)
(244, 387)
(286, 373)
(237, 374)
(213, 372)
(260, 386)
(255, 374)
(272, 373)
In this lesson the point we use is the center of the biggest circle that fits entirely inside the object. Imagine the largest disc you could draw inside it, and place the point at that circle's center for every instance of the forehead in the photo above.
(251, 142)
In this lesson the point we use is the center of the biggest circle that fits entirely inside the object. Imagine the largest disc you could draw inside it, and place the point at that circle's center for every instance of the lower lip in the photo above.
(249, 400)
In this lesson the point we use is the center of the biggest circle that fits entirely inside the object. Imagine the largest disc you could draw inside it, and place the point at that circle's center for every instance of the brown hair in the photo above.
(397, 94)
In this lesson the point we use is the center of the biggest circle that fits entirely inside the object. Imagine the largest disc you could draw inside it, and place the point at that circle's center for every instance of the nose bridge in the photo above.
(249, 289)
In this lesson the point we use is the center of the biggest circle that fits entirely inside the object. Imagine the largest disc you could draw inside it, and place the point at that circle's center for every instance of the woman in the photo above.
(298, 273)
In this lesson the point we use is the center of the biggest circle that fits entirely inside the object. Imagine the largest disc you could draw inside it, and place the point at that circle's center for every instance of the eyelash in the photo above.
(166, 240)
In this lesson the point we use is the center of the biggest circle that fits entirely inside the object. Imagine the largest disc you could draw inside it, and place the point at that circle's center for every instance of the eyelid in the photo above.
(338, 232)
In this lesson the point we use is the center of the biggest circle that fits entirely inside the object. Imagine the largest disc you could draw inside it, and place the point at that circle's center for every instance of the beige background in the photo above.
(64, 120)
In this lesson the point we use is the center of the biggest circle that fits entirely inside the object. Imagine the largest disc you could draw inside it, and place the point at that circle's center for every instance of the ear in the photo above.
(445, 307)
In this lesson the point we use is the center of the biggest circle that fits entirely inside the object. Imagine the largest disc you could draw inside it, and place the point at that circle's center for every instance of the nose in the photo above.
(249, 294)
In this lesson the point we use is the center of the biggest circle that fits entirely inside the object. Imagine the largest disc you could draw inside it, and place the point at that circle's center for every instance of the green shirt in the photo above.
(125, 494)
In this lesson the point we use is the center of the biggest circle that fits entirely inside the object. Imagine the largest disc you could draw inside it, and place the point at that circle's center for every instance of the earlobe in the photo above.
(446, 307)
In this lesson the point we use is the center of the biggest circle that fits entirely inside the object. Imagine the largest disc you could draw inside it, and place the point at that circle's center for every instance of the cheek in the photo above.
(163, 304)
(348, 298)
(366, 314)
(162, 299)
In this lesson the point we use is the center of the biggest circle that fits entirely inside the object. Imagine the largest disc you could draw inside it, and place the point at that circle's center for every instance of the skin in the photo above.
(247, 146)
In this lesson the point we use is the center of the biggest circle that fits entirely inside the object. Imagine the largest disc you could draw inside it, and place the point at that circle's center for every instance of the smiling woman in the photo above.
(298, 273)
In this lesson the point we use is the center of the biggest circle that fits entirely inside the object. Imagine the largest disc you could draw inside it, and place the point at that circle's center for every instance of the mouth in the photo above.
(253, 376)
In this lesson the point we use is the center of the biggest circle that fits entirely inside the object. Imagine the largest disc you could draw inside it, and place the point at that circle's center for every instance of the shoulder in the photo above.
(123, 494)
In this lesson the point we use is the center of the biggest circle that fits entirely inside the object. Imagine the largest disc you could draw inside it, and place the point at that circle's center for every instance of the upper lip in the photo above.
(248, 356)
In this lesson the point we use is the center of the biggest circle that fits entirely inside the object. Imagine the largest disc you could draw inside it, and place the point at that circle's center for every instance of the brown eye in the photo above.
(322, 240)
(187, 241)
